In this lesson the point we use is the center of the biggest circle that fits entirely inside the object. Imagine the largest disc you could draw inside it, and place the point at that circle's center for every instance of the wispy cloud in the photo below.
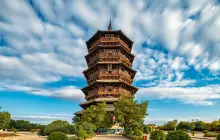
(68, 92)
(189, 95)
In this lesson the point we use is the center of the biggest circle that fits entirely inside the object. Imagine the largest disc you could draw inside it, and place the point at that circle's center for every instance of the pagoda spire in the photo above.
(110, 25)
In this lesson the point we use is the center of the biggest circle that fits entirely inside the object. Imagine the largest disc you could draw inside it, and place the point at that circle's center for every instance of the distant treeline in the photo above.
(193, 126)
(23, 125)
(7, 123)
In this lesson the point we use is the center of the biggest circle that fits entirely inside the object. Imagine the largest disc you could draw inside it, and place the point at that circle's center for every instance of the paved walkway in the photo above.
(109, 137)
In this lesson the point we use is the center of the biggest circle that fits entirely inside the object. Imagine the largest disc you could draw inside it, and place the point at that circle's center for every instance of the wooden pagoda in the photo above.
(109, 72)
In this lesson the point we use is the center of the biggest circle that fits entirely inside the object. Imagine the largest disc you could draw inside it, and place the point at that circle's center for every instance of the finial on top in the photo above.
(110, 25)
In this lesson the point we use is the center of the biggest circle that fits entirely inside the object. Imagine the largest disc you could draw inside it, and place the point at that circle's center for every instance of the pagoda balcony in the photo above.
(109, 57)
(110, 40)
(103, 95)
(110, 76)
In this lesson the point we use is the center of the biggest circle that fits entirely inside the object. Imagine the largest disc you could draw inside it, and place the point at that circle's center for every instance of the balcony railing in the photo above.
(113, 76)
(110, 57)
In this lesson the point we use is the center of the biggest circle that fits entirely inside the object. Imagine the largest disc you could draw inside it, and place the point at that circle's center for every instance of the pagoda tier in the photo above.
(109, 71)
(109, 53)
(108, 89)
(109, 36)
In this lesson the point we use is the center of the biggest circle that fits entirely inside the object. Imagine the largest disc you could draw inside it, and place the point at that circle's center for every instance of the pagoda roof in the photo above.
(99, 46)
(93, 102)
(99, 32)
(99, 100)
(120, 63)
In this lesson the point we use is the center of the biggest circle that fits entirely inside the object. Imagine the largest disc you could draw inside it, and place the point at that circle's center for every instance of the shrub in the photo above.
(147, 129)
(57, 126)
(33, 131)
(186, 126)
(57, 136)
(210, 134)
(193, 133)
(158, 135)
(15, 131)
(84, 130)
(218, 137)
(41, 131)
(136, 138)
(205, 132)
(128, 132)
(177, 135)
(71, 129)
(137, 132)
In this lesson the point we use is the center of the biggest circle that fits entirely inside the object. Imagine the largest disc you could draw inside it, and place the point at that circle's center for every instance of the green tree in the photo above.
(20, 124)
(137, 132)
(15, 131)
(218, 137)
(186, 126)
(108, 121)
(95, 114)
(158, 135)
(147, 129)
(57, 136)
(205, 132)
(41, 130)
(4, 120)
(76, 119)
(214, 125)
(207, 126)
(33, 131)
(177, 135)
(61, 126)
(199, 126)
(84, 129)
(171, 125)
(129, 112)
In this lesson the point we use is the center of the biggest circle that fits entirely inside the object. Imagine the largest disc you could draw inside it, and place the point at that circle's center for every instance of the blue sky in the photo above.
(176, 44)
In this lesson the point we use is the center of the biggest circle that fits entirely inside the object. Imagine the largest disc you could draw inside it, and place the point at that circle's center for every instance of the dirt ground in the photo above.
(23, 136)
(30, 136)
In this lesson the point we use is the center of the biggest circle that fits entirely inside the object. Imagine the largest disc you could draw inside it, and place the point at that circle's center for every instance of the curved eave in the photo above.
(99, 46)
(98, 100)
(108, 81)
(109, 63)
(79, 113)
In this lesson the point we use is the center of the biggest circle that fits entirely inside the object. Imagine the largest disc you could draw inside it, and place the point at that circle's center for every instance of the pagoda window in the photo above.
(109, 67)
(109, 35)
(109, 50)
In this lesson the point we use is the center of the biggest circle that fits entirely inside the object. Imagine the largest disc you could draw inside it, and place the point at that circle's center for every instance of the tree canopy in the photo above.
(177, 135)
(186, 126)
(130, 113)
(61, 126)
(4, 120)
(95, 114)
